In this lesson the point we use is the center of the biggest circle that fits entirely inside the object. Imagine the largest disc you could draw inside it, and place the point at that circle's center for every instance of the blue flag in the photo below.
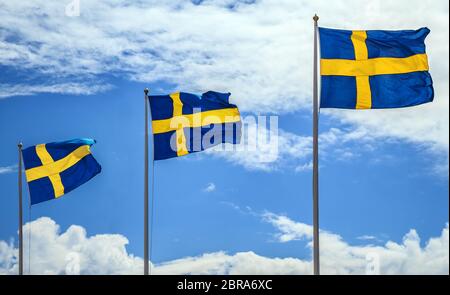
(184, 123)
(374, 69)
(56, 168)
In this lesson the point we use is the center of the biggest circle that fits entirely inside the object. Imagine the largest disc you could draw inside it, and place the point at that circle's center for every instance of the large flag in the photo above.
(184, 123)
(374, 69)
(56, 168)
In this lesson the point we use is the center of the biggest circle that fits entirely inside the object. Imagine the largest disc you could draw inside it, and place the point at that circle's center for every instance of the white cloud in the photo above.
(304, 167)
(72, 251)
(339, 257)
(367, 238)
(8, 255)
(281, 150)
(210, 187)
(239, 263)
(7, 90)
(270, 150)
(54, 252)
(8, 169)
(289, 230)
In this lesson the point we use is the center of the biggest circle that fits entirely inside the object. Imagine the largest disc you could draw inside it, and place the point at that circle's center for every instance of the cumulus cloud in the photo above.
(74, 252)
(265, 149)
(210, 187)
(271, 148)
(264, 59)
(339, 257)
(237, 264)
(70, 252)
(289, 230)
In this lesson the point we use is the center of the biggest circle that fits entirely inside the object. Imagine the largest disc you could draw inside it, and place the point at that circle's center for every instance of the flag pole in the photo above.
(19, 146)
(315, 157)
(146, 260)
(152, 203)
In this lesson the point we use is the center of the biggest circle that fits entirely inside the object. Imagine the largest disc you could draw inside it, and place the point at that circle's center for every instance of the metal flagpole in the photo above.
(152, 218)
(146, 260)
(315, 157)
(20, 211)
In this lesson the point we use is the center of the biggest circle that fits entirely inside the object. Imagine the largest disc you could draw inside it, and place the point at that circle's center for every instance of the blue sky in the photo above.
(381, 174)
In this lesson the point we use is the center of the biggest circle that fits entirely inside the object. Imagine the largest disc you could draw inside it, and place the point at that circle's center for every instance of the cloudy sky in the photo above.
(384, 173)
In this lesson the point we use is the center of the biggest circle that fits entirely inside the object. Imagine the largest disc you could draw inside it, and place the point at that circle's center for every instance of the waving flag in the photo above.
(56, 168)
(185, 123)
(374, 69)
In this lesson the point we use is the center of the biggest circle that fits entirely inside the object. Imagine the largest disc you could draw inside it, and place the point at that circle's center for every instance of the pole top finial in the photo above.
(315, 18)
(20, 145)
(146, 90)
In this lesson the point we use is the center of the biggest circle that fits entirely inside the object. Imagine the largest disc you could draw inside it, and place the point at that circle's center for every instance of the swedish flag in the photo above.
(184, 123)
(374, 69)
(56, 168)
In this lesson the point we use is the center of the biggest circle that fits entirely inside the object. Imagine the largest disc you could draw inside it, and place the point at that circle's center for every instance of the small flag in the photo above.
(184, 123)
(374, 69)
(56, 168)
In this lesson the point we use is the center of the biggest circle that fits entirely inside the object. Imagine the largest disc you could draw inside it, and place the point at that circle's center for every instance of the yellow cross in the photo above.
(52, 169)
(179, 121)
(363, 67)
(177, 113)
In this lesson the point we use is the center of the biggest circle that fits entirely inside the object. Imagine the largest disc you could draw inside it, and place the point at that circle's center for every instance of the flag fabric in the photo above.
(374, 69)
(56, 168)
(184, 123)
